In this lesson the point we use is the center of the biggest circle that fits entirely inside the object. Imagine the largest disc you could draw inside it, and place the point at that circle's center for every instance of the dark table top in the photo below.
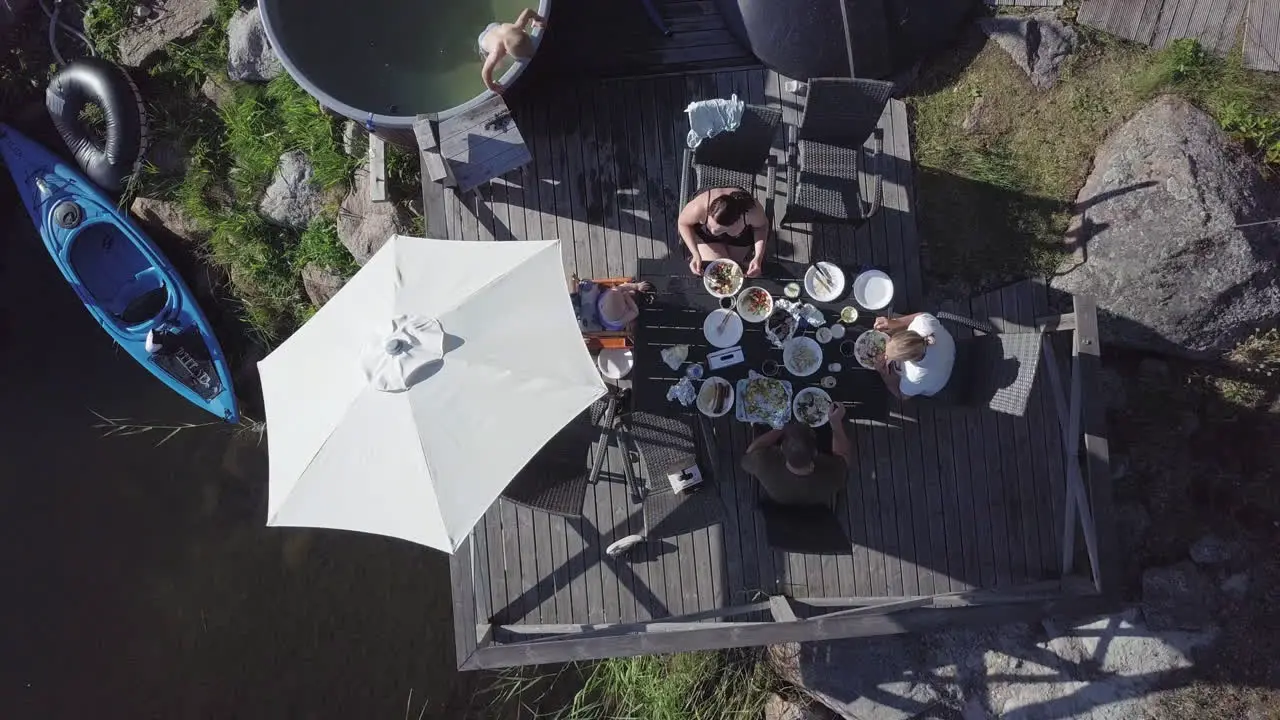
(680, 306)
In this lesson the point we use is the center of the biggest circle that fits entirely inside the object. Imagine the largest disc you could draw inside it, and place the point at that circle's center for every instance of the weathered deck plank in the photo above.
(935, 503)
(1219, 25)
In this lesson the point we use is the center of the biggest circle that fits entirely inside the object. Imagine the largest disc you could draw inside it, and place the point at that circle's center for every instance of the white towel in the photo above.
(708, 118)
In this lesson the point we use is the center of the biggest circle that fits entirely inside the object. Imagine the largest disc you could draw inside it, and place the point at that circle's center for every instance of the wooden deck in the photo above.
(1219, 25)
(942, 501)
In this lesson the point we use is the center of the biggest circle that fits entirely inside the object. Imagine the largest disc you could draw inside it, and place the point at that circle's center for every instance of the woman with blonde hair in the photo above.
(918, 357)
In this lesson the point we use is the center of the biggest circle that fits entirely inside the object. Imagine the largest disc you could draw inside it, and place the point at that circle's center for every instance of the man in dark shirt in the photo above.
(790, 468)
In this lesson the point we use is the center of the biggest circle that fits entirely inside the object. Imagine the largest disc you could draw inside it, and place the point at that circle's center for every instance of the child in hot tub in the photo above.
(498, 40)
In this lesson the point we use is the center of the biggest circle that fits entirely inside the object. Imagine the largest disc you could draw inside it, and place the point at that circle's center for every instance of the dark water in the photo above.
(139, 581)
(393, 57)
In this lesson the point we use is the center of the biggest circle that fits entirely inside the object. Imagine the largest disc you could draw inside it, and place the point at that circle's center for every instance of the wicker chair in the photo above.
(555, 479)
(840, 114)
(667, 444)
(733, 158)
(993, 370)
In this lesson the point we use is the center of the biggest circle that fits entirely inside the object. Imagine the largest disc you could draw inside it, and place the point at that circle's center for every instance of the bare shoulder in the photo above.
(696, 208)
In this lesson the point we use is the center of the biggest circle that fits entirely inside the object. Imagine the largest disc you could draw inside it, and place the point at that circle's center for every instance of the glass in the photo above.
(769, 367)
(726, 303)
(847, 347)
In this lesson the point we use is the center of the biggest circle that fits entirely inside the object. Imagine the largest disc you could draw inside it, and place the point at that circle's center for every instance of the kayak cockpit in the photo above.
(118, 277)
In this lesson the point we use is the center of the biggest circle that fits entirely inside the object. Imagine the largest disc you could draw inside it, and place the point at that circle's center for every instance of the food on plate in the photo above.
(755, 304)
(723, 278)
(848, 314)
(716, 396)
(792, 290)
(869, 348)
(764, 397)
(812, 406)
(802, 356)
(780, 326)
(824, 281)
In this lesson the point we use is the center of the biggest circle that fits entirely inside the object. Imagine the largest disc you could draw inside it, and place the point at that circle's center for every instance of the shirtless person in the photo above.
(499, 40)
(724, 223)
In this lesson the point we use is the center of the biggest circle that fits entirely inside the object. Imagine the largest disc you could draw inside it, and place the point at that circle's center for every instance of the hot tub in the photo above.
(382, 62)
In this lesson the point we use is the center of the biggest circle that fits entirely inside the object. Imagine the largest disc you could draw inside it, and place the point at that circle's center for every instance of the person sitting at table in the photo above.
(618, 305)
(918, 357)
(791, 469)
(724, 223)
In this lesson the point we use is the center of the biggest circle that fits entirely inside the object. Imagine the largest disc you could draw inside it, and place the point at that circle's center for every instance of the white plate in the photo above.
(837, 332)
(860, 349)
(789, 352)
(824, 290)
(729, 335)
(749, 316)
(707, 392)
(738, 277)
(615, 363)
(873, 290)
(820, 395)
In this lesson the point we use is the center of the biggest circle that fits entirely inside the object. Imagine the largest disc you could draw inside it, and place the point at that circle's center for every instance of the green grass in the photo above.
(727, 685)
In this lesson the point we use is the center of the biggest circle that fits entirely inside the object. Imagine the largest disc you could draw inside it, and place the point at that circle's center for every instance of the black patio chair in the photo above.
(669, 444)
(993, 370)
(840, 115)
(733, 158)
(555, 479)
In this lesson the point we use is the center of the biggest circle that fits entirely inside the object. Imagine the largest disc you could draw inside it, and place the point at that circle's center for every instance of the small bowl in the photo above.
(835, 367)
(791, 290)
(828, 382)
(848, 314)
(823, 335)
(837, 332)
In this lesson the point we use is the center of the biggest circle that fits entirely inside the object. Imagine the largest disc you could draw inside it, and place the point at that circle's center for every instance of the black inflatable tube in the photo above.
(93, 80)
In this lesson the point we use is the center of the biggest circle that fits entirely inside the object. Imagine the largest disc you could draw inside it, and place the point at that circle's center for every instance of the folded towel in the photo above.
(708, 118)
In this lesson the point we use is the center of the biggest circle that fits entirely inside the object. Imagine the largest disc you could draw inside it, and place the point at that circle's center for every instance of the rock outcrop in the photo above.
(292, 198)
(1108, 668)
(364, 225)
(249, 54)
(1038, 43)
(169, 20)
(1163, 236)
(321, 283)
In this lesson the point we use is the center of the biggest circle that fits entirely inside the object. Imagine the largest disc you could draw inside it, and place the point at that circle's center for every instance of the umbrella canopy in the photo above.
(417, 393)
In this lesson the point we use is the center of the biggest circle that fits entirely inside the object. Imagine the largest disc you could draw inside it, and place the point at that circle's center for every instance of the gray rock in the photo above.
(1212, 550)
(292, 198)
(1163, 258)
(1153, 370)
(171, 20)
(973, 118)
(320, 283)
(249, 54)
(1132, 522)
(780, 708)
(219, 90)
(168, 158)
(1114, 395)
(1103, 670)
(872, 679)
(1236, 586)
(169, 217)
(1178, 597)
(364, 225)
(1038, 43)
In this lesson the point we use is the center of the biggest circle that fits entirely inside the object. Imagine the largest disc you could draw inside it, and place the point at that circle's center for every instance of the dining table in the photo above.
(680, 304)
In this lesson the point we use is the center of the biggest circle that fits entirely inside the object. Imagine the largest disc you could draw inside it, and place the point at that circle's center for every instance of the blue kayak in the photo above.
(120, 275)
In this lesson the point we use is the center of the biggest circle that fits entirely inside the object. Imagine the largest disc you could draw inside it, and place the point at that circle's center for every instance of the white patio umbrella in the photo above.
(417, 393)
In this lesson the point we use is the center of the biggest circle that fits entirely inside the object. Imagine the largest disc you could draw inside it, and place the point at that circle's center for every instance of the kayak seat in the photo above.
(140, 299)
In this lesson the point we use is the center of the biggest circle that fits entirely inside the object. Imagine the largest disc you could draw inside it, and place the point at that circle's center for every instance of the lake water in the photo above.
(392, 57)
